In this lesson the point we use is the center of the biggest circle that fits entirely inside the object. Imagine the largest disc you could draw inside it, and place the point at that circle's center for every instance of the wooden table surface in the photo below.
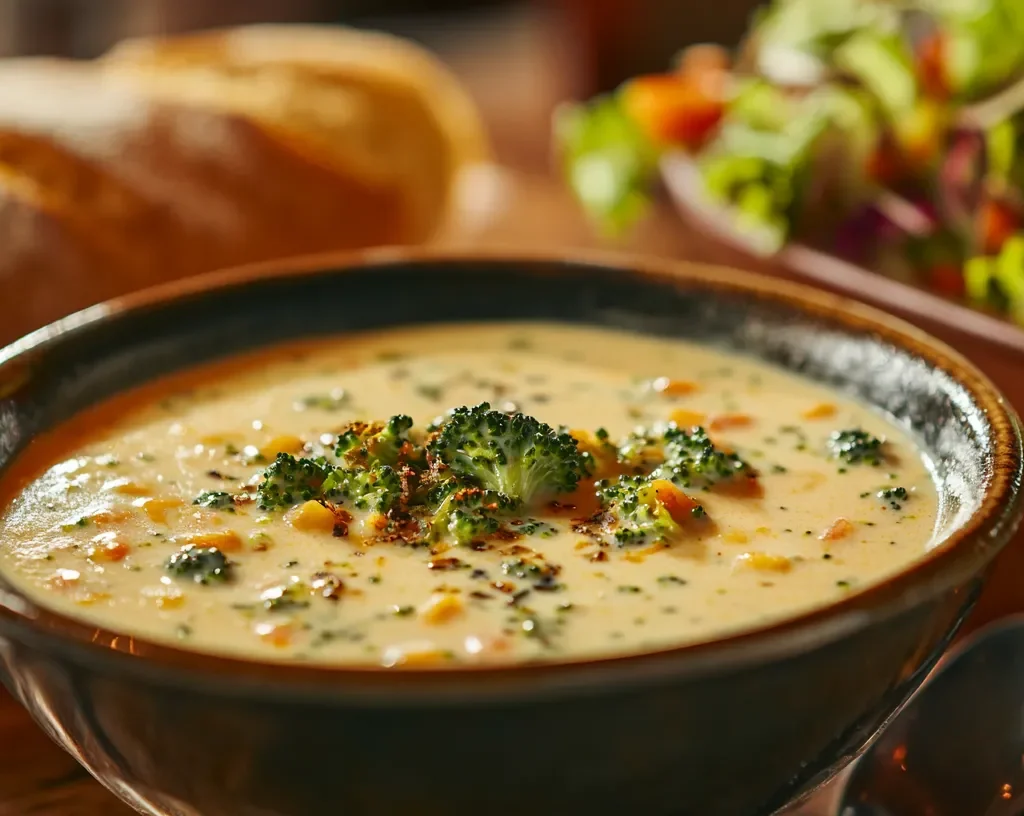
(500, 210)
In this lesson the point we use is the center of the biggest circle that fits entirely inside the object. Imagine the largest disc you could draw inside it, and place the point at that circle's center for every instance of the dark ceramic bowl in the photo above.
(738, 726)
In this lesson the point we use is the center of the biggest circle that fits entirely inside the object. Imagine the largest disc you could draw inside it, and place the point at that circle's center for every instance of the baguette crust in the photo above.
(174, 157)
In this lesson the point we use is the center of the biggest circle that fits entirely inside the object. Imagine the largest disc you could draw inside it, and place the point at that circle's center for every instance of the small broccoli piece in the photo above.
(856, 447)
(291, 481)
(204, 565)
(639, 451)
(634, 513)
(467, 526)
(692, 460)
(337, 398)
(216, 499)
(894, 496)
(467, 513)
(377, 488)
(285, 597)
(514, 454)
(604, 441)
(384, 443)
(542, 575)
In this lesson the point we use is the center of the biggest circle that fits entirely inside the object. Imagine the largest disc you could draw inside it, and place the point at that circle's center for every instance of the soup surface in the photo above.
(148, 515)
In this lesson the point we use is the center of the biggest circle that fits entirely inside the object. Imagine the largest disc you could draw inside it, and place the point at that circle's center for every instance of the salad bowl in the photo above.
(875, 148)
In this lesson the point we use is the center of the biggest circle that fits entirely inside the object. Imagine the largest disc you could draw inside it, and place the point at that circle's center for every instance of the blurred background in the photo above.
(93, 218)
(518, 58)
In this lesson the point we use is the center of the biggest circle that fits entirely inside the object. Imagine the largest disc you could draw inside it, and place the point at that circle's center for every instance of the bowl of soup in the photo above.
(445, 534)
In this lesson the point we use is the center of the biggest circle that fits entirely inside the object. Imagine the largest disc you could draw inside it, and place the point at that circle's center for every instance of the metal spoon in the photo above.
(957, 749)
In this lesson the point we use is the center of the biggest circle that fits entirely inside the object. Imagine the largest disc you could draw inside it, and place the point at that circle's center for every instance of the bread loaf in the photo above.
(168, 158)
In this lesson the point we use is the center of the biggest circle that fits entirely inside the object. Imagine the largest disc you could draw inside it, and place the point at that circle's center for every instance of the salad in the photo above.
(889, 133)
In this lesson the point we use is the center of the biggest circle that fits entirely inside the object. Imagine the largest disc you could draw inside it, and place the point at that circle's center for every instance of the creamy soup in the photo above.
(150, 515)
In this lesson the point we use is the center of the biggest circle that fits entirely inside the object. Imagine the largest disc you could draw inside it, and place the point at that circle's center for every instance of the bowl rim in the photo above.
(819, 267)
(949, 566)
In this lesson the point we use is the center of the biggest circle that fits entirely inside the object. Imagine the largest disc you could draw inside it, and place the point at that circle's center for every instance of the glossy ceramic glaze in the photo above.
(738, 726)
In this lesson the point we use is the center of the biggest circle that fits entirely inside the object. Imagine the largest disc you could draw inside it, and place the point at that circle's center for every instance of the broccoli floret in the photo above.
(384, 443)
(692, 460)
(634, 513)
(204, 565)
(216, 499)
(467, 513)
(377, 488)
(686, 457)
(856, 447)
(291, 481)
(514, 454)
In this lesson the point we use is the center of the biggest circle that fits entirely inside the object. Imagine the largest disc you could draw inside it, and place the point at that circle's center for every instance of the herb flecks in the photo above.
(334, 400)
(285, 598)
(542, 575)
(215, 499)
(327, 585)
(430, 391)
(534, 527)
(894, 497)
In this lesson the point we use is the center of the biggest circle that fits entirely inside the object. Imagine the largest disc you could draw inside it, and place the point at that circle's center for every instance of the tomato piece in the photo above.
(706, 67)
(703, 59)
(675, 501)
(997, 222)
(919, 135)
(673, 109)
(885, 164)
(672, 387)
(839, 529)
(947, 279)
(741, 487)
(723, 422)
(931, 66)
(822, 410)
